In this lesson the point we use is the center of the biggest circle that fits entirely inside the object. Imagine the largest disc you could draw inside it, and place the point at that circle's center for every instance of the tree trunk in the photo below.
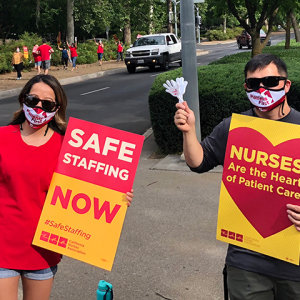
(169, 8)
(256, 44)
(70, 21)
(127, 32)
(151, 26)
(267, 25)
(38, 11)
(288, 31)
(296, 27)
(224, 24)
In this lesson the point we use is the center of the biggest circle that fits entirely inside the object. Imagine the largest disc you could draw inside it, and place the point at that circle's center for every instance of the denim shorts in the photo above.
(74, 61)
(46, 64)
(38, 64)
(100, 56)
(43, 274)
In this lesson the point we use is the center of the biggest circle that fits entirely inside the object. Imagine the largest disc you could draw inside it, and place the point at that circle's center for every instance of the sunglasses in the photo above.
(268, 82)
(47, 105)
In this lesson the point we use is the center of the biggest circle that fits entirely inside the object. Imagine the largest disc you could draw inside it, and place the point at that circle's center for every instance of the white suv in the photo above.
(152, 50)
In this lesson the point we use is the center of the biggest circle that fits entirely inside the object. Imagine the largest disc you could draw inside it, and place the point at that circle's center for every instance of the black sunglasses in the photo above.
(47, 105)
(268, 82)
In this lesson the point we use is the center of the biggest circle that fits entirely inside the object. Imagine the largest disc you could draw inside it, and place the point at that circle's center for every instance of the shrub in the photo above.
(221, 92)
(216, 35)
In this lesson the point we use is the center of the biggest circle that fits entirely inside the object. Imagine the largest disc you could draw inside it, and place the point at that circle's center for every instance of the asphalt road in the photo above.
(121, 100)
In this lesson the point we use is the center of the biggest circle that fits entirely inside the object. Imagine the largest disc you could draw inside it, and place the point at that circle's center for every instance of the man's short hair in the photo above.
(44, 41)
(261, 61)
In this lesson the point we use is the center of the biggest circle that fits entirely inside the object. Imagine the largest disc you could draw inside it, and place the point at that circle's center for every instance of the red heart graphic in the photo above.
(265, 210)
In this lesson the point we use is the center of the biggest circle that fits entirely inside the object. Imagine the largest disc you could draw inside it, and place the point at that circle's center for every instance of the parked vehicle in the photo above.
(244, 40)
(153, 50)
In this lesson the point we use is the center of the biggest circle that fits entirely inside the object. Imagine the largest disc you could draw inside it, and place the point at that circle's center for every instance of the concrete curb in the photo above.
(65, 81)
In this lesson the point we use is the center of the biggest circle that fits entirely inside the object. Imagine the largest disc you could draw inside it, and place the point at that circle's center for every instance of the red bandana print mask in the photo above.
(37, 117)
(266, 99)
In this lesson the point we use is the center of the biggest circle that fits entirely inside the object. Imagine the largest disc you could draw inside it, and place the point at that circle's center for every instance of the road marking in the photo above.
(95, 91)
(157, 74)
(198, 63)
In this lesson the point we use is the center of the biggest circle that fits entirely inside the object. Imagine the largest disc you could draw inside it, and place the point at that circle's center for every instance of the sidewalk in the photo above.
(167, 249)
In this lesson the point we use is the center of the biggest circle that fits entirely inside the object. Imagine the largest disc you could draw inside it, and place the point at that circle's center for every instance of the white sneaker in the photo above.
(18, 78)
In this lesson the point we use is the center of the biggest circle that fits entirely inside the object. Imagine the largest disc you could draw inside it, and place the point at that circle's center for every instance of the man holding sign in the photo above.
(251, 275)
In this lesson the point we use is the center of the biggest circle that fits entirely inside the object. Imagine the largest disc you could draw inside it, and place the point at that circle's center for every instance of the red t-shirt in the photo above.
(100, 49)
(120, 48)
(44, 52)
(37, 57)
(25, 176)
(73, 51)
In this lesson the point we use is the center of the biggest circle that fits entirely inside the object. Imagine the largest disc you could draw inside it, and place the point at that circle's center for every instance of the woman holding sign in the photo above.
(29, 149)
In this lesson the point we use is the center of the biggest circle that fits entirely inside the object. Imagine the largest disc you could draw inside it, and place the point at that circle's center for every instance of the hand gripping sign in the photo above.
(86, 203)
(176, 88)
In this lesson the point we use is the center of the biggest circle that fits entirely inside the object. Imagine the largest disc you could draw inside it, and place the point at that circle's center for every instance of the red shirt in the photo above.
(44, 52)
(73, 51)
(36, 57)
(25, 176)
(100, 49)
(120, 48)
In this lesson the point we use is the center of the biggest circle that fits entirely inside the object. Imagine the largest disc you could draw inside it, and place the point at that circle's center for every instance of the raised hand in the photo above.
(171, 88)
(176, 89)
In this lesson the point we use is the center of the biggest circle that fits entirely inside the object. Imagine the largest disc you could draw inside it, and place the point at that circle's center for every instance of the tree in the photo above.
(92, 16)
(295, 26)
(257, 11)
(169, 9)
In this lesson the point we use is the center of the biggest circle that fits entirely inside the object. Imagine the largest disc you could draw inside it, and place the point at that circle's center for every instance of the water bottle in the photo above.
(105, 291)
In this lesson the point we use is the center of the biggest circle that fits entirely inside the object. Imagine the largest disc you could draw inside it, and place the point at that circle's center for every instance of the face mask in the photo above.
(18, 50)
(266, 99)
(37, 117)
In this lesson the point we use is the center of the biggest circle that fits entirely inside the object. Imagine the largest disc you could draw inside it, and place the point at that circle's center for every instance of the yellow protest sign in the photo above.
(86, 203)
(261, 176)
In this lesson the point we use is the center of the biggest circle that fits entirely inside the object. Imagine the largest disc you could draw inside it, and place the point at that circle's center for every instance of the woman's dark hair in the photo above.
(261, 61)
(58, 123)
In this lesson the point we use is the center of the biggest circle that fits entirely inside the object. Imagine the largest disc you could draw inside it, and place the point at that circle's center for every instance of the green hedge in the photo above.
(219, 35)
(221, 93)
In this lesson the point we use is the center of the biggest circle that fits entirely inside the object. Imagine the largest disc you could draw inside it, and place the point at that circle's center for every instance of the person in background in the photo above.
(74, 54)
(65, 56)
(37, 59)
(120, 51)
(45, 50)
(29, 151)
(100, 51)
(17, 62)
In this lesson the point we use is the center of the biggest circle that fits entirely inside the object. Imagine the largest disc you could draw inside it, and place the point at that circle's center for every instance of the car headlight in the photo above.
(128, 54)
(154, 51)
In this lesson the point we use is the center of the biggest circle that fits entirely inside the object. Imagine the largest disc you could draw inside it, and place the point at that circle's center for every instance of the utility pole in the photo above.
(189, 59)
